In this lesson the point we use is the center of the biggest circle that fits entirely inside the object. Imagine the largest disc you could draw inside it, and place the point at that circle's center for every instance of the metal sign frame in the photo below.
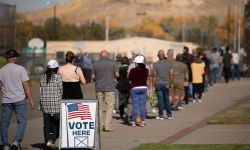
(97, 143)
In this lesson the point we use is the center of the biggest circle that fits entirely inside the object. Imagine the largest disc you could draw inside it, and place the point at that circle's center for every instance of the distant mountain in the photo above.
(127, 13)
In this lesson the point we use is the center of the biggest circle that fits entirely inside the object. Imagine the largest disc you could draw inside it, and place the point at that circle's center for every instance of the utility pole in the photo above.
(55, 36)
(228, 26)
(106, 22)
(235, 28)
(54, 24)
(183, 26)
(239, 25)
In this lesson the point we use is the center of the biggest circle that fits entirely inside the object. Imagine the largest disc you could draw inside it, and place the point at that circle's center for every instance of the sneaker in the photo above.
(194, 101)
(142, 124)
(180, 107)
(15, 146)
(50, 145)
(170, 118)
(159, 118)
(133, 124)
(200, 101)
(6, 147)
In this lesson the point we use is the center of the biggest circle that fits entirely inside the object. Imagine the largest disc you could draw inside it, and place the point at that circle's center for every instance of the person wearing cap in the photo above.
(138, 77)
(72, 77)
(104, 71)
(162, 78)
(135, 52)
(16, 90)
(50, 98)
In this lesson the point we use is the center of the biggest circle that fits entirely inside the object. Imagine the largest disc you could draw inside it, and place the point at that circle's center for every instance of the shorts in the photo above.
(177, 91)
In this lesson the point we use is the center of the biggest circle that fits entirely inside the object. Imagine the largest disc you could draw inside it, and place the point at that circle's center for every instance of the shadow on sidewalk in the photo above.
(38, 145)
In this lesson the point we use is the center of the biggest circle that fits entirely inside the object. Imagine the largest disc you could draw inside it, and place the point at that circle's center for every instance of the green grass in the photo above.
(193, 147)
(236, 115)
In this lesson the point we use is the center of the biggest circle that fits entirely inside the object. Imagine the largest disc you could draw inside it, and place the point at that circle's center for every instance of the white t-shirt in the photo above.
(236, 58)
(11, 77)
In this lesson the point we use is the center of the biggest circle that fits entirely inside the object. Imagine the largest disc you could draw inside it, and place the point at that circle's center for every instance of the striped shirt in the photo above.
(51, 94)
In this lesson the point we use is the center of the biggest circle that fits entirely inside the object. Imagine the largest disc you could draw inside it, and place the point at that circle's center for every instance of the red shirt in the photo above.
(138, 77)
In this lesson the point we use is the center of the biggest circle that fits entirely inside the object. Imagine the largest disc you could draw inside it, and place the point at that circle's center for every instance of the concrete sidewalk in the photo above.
(187, 125)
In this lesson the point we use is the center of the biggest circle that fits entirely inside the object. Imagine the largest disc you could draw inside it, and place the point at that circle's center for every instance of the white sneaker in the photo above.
(6, 147)
(200, 101)
(180, 107)
(194, 101)
(170, 118)
(159, 118)
(15, 146)
(50, 145)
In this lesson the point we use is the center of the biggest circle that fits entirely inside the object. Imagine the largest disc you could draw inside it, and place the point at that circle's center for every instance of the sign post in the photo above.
(79, 124)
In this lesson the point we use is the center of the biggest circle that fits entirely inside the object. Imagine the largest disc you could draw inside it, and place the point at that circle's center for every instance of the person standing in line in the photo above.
(197, 72)
(207, 70)
(72, 76)
(51, 95)
(163, 78)
(87, 67)
(118, 62)
(138, 77)
(123, 86)
(188, 59)
(136, 52)
(221, 51)
(215, 64)
(227, 63)
(180, 73)
(104, 72)
(16, 90)
(236, 65)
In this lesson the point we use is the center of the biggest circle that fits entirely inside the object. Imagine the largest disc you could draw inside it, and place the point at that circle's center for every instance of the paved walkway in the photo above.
(187, 127)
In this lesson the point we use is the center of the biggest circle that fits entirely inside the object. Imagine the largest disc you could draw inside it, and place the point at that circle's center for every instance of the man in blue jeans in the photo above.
(162, 73)
(16, 89)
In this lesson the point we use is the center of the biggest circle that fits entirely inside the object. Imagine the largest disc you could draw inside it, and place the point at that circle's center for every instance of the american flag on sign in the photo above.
(79, 111)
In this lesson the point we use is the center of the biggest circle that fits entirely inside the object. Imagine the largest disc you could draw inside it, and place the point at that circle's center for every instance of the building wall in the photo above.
(148, 46)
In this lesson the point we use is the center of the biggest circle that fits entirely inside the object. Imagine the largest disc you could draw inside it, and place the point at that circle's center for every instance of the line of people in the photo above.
(172, 80)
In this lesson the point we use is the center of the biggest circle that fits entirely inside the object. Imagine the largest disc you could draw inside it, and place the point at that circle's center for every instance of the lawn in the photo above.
(193, 147)
(236, 115)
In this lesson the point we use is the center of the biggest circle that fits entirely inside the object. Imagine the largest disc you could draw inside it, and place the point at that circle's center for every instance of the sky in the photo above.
(24, 6)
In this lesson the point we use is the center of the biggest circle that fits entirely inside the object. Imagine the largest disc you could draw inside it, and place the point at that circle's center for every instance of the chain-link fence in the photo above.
(36, 63)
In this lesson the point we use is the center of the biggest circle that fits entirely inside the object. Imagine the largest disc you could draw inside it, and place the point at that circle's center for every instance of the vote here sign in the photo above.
(78, 124)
